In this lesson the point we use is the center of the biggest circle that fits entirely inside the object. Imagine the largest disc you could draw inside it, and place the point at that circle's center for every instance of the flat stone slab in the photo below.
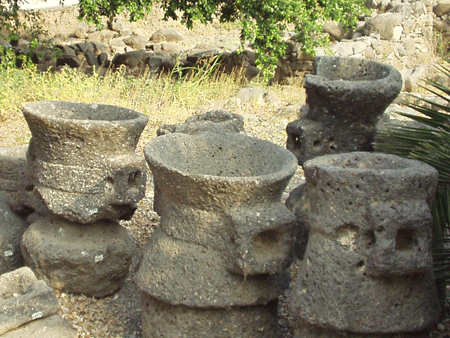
(24, 299)
(49, 327)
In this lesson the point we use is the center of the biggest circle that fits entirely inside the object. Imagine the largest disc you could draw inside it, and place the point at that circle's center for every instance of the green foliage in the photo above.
(263, 23)
(13, 24)
(429, 142)
(13, 21)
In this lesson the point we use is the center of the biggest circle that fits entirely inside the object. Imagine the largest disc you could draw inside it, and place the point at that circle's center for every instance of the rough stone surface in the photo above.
(23, 299)
(345, 98)
(136, 42)
(442, 7)
(166, 34)
(49, 327)
(15, 181)
(368, 266)
(384, 24)
(82, 259)
(225, 238)
(334, 29)
(82, 159)
(215, 121)
(182, 273)
(11, 229)
(165, 320)
(131, 60)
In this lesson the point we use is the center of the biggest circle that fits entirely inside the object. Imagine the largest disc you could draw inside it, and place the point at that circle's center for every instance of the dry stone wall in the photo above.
(401, 33)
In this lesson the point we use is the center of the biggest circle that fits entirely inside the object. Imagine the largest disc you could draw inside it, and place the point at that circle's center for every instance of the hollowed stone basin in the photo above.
(82, 159)
(353, 89)
(231, 168)
(345, 98)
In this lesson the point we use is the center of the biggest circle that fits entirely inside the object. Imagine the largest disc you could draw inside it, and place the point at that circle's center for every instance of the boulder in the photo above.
(92, 260)
(131, 60)
(116, 25)
(136, 42)
(442, 7)
(166, 34)
(334, 29)
(385, 24)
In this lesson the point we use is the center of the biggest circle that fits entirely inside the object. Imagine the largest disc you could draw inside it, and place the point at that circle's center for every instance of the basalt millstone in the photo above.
(367, 269)
(224, 238)
(12, 228)
(15, 181)
(82, 159)
(345, 98)
(215, 121)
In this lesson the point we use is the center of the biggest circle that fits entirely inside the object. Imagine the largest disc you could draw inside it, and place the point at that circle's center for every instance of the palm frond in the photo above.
(429, 142)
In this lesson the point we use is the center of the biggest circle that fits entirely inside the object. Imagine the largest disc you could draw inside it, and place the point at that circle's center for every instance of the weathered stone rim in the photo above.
(388, 164)
(388, 74)
(421, 176)
(286, 169)
(112, 115)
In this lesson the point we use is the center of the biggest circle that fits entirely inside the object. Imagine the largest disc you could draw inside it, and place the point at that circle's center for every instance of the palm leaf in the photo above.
(429, 142)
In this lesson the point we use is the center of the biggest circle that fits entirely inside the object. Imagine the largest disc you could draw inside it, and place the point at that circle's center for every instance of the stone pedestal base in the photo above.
(308, 331)
(161, 319)
(93, 259)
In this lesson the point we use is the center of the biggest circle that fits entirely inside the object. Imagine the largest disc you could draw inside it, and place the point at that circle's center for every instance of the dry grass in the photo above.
(163, 99)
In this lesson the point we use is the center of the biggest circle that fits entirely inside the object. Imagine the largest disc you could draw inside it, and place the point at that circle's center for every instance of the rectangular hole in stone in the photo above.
(405, 239)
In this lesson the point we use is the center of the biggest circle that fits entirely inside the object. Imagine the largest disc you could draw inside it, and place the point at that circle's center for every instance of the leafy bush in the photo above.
(429, 142)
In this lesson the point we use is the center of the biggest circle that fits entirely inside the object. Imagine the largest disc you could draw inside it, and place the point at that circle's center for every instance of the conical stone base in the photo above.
(161, 319)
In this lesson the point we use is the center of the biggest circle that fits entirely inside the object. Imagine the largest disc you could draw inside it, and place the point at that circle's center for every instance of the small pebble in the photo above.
(440, 327)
